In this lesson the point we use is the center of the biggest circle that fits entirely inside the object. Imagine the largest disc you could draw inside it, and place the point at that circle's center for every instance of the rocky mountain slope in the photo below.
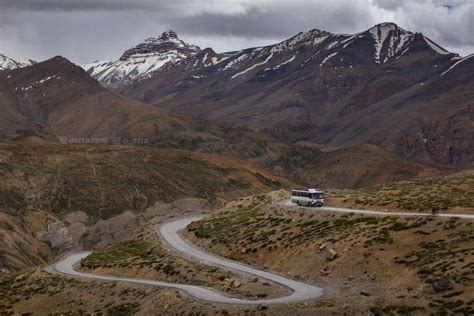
(54, 196)
(330, 89)
(58, 101)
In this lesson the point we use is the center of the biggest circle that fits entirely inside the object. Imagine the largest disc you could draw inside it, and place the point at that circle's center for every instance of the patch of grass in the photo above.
(420, 194)
(124, 309)
(127, 252)
(255, 227)
(396, 309)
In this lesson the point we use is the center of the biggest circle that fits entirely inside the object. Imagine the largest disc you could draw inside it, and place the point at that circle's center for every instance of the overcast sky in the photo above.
(88, 30)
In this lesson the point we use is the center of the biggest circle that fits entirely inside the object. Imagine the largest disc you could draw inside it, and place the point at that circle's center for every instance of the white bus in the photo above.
(308, 197)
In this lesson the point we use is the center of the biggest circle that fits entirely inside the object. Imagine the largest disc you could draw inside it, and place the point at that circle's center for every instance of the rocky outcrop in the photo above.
(163, 44)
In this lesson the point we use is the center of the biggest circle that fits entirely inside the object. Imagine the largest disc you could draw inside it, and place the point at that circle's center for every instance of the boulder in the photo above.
(76, 217)
(261, 307)
(331, 254)
(442, 285)
(77, 231)
(60, 237)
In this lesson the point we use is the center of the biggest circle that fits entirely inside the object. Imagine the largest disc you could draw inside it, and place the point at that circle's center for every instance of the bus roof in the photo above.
(308, 190)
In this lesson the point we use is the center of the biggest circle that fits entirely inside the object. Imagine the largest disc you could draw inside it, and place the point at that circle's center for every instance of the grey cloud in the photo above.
(86, 5)
(284, 22)
(86, 30)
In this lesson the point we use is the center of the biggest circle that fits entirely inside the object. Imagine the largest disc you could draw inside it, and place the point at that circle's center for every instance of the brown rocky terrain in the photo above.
(57, 197)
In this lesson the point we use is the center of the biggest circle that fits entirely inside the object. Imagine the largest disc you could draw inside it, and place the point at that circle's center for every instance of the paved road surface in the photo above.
(288, 203)
(169, 233)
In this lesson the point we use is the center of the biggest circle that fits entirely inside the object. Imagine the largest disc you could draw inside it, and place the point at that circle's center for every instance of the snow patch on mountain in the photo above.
(390, 41)
(332, 44)
(312, 37)
(134, 68)
(348, 41)
(281, 64)
(457, 63)
(327, 58)
(379, 34)
(234, 62)
(254, 66)
(35, 83)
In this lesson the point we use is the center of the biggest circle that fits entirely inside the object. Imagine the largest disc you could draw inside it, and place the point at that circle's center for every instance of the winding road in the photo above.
(169, 233)
(288, 203)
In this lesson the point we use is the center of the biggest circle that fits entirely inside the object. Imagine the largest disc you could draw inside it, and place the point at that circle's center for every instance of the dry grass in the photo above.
(453, 193)
(103, 181)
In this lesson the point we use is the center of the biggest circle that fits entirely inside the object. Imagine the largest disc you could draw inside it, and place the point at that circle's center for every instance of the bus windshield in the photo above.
(317, 196)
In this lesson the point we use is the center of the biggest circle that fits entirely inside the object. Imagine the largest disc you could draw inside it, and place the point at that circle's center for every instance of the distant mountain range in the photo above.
(57, 101)
(7, 63)
(386, 86)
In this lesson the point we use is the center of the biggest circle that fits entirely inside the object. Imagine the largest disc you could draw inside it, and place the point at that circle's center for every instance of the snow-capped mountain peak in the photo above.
(390, 39)
(7, 63)
(156, 45)
(141, 60)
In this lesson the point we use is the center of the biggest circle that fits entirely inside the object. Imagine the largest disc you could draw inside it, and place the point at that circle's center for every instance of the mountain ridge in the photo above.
(391, 41)
(301, 88)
